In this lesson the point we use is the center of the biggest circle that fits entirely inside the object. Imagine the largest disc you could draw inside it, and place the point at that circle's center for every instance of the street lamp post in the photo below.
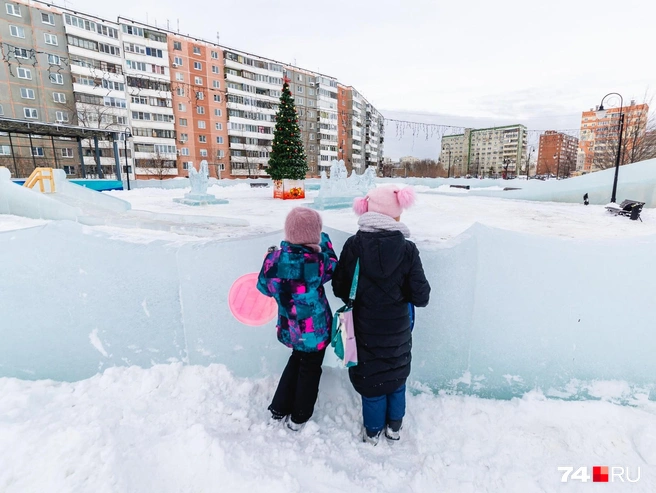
(528, 160)
(448, 173)
(601, 113)
(127, 134)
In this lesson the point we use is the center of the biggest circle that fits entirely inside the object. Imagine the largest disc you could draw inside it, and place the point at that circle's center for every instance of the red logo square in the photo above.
(600, 474)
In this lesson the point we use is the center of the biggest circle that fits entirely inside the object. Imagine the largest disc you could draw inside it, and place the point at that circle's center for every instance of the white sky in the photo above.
(504, 61)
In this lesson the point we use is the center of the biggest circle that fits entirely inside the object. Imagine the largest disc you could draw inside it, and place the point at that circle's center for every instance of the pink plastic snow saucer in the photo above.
(248, 305)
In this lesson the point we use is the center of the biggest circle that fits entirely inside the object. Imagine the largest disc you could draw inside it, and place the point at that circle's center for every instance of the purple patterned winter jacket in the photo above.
(294, 276)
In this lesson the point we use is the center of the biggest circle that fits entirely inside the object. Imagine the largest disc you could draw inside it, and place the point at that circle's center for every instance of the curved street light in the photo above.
(601, 113)
(127, 134)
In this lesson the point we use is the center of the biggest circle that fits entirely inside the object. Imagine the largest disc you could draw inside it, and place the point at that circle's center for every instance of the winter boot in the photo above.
(392, 430)
(292, 425)
(370, 437)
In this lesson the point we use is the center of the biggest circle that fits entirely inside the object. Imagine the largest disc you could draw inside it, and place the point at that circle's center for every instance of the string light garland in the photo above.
(195, 93)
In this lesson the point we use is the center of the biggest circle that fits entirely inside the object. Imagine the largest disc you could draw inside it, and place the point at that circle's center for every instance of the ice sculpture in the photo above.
(339, 190)
(489, 330)
(199, 181)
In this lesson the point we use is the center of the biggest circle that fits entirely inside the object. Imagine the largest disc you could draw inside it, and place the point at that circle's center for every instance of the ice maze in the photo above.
(509, 312)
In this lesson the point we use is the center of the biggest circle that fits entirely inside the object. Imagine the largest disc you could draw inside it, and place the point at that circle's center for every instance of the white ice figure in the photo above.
(340, 189)
(199, 181)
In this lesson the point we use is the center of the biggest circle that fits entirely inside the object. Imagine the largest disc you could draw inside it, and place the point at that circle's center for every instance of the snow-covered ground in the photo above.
(193, 429)
(174, 428)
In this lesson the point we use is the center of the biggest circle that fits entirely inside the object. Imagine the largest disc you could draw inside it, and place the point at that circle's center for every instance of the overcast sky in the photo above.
(474, 63)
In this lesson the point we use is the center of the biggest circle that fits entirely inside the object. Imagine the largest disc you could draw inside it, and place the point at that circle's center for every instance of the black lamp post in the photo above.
(601, 113)
(127, 134)
(448, 173)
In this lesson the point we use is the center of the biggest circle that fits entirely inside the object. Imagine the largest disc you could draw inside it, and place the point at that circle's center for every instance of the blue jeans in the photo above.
(383, 410)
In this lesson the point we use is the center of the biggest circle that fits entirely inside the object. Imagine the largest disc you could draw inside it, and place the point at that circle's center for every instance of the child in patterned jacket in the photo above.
(294, 275)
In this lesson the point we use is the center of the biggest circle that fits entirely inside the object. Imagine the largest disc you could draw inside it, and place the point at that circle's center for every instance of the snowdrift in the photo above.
(636, 181)
(510, 312)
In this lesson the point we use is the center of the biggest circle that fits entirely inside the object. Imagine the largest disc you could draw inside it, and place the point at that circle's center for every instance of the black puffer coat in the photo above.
(391, 276)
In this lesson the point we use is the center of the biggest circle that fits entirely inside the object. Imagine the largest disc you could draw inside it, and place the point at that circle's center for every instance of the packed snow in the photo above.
(198, 428)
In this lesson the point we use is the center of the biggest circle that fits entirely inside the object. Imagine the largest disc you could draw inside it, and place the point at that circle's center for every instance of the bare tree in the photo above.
(638, 138)
(159, 166)
(426, 168)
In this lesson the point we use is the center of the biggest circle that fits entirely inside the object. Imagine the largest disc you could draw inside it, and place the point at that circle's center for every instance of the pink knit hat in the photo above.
(303, 227)
(385, 200)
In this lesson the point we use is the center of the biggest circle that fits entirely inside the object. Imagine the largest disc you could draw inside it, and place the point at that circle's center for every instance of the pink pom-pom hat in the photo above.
(388, 200)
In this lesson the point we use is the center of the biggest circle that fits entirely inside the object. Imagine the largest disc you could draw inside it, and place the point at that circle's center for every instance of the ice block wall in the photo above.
(509, 312)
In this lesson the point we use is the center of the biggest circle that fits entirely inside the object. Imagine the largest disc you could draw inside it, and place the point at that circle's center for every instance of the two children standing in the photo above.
(391, 276)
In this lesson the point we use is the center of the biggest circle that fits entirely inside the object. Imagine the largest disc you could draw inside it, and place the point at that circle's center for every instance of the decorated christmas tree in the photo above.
(287, 159)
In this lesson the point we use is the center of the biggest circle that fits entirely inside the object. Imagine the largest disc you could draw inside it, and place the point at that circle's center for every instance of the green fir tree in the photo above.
(287, 159)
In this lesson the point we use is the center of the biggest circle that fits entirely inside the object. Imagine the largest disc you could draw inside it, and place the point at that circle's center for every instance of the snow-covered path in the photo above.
(193, 429)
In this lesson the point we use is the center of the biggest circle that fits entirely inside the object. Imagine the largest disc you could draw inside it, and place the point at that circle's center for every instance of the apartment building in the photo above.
(171, 99)
(253, 87)
(373, 136)
(485, 151)
(147, 78)
(199, 105)
(100, 98)
(303, 86)
(599, 136)
(557, 154)
(35, 81)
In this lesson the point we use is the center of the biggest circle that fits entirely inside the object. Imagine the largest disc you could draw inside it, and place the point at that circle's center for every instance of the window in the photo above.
(218, 126)
(37, 151)
(187, 164)
(221, 154)
(31, 113)
(184, 138)
(114, 102)
(21, 53)
(67, 152)
(300, 101)
(51, 39)
(215, 55)
(217, 112)
(299, 89)
(184, 151)
(201, 124)
(202, 139)
(109, 49)
(61, 116)
(215, 69)
(13, 10)
(182, 107)
(311, 92)
(180, 91)
(200, 110)
(54, 59)
(299, 77)
(217, 98)
(179, 76)
(177, 45)
(198, 66)
(69, 170)
(5, 150)
(216, 84)
(219, 140)
(198, 81)
(17, 31)
(133, 30)
(57, 78)
(27, 93)
(157, 53)
(116, 86)
(183, 122)
(47, 18)
(312, 136)
(203, 152)
(177, 61)
(196, 50)
(2, 110)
